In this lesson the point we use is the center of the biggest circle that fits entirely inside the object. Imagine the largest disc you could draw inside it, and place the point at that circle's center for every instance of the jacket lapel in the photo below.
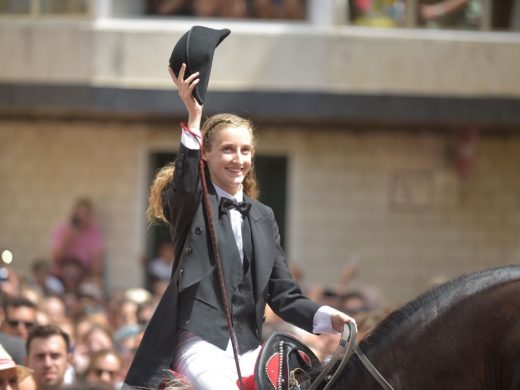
(263, 258)
(198, 261)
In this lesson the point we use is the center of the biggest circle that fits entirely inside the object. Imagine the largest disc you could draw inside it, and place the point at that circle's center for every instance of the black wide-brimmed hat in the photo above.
(195, 48)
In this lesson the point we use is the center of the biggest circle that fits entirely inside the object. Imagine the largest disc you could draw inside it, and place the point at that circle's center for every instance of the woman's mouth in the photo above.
(235, 171)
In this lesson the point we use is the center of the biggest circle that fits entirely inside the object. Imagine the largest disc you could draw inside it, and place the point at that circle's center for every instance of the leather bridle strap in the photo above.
(341, 355)
(347, 346)
(351, 342)
(370, 367)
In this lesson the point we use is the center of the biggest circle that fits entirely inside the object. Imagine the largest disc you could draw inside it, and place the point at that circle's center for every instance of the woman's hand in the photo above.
(430, 12)
(186, 87)
(442, 8)
(339, 319)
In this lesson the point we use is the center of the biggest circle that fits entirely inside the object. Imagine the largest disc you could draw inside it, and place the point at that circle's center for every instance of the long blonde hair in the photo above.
(155, 200)
(164, 176)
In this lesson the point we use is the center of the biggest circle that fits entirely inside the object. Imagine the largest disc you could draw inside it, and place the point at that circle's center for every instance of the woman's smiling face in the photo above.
(229, 158)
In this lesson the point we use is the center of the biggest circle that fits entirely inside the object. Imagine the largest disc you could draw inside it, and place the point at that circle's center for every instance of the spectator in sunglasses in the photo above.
(18, 317)
(105, 368)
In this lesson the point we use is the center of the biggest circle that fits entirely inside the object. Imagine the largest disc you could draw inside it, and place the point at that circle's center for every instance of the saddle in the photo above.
(285, 363)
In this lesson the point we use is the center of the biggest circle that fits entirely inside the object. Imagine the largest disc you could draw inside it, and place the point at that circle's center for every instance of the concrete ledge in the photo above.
(133, 54)
(294, 106)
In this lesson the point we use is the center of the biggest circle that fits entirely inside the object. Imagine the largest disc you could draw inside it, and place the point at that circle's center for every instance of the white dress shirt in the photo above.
(236, 218)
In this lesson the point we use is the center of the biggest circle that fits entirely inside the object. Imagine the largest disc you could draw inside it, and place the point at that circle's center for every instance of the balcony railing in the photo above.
(480, 15)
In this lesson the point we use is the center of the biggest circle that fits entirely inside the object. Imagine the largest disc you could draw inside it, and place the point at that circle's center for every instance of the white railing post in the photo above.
(102, 9)
(327, 12)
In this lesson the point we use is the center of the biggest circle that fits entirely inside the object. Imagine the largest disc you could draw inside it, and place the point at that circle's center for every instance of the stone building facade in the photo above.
(402, 148)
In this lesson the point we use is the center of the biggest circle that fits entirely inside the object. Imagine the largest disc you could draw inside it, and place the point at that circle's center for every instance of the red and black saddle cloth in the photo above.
(285, 363)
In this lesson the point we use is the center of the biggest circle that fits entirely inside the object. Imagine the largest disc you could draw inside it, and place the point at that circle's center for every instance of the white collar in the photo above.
(239, 196)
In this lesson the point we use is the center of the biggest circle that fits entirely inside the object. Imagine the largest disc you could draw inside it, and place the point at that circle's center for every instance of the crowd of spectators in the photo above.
(66, 327)
(77, 336)
(433, 14)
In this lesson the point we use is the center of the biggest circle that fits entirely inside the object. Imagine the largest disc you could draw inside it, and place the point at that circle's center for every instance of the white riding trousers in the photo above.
(209, 367)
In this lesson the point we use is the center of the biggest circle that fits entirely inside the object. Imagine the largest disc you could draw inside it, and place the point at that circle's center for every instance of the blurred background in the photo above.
(388, 134)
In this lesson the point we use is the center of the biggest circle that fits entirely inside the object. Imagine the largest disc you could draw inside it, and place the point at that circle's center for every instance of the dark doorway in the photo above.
(271, 172)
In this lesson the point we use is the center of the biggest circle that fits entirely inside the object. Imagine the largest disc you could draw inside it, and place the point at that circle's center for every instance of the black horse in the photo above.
(463, 335)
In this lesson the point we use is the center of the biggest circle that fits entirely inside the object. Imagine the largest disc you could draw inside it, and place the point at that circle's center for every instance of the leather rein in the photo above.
(346, 348)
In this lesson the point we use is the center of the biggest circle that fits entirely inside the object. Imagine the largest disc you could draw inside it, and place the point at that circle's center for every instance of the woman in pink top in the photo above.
(80, 239)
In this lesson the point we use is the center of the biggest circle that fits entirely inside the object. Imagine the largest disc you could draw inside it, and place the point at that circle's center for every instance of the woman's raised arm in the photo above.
(186, 87)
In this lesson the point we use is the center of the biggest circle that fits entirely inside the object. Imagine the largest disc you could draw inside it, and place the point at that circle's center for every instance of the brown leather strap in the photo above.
(372, 370)
(347, 346)
(339, 358)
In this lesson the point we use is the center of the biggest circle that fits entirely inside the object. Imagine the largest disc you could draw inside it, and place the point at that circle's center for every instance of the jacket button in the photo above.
(188, 250)
(198, 230)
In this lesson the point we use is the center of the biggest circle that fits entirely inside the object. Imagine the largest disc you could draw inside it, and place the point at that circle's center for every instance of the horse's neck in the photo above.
(436, 341)
(409, 350)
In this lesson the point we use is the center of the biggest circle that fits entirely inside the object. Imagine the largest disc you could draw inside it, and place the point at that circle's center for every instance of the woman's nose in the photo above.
(239, 158)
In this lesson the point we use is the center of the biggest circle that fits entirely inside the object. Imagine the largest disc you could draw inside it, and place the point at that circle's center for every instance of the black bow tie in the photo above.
(227, 204)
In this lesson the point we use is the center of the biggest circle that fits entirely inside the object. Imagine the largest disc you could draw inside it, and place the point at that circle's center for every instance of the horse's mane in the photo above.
(436, 301)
